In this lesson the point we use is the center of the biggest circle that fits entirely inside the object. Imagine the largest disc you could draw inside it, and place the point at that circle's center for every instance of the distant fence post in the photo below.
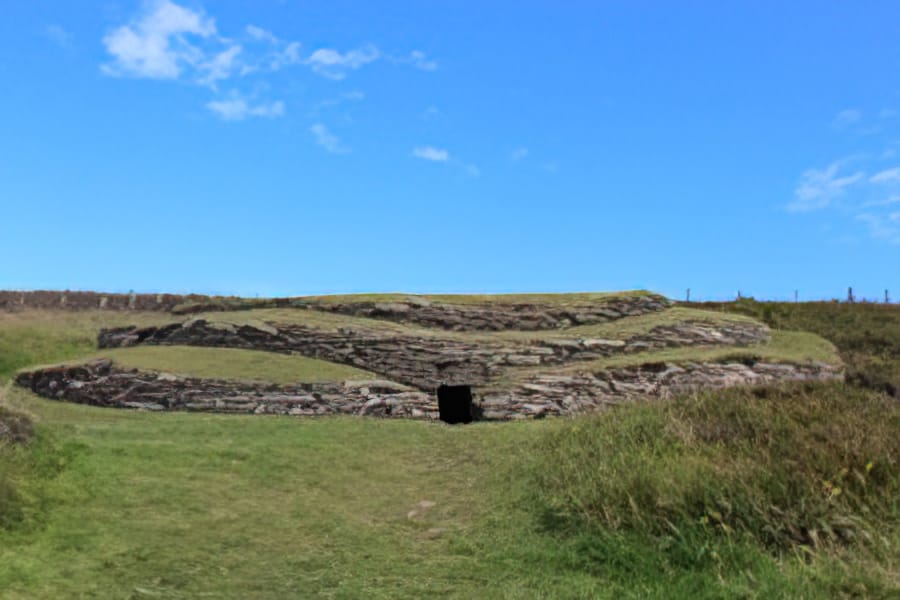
(850, 297)
(796, 295)
(688, 295)
(887, 299)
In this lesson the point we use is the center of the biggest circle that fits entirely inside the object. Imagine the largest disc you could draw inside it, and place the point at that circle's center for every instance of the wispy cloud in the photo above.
(431, 153)
(59, 36)
(221, 66)
(846, 118)
(819, 187)
(260, 34)
(882, 227)
(518, 154)
(335, 65)
(168, 41)
(157, 45)
(886, 176)
(238, 109)
(328, 103)
(328, 140)
(442, 156)
(862, 190)
(418, 59)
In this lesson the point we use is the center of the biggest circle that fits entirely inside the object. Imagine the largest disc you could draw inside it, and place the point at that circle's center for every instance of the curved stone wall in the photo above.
(499, 316)
(544, 395)
(425, 362)
(101, 383)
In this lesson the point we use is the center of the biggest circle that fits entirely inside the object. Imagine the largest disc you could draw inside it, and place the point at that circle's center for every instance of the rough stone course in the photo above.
(66, 300)
(425, 362)
(102, 383)
(553, 394)
(499, 316)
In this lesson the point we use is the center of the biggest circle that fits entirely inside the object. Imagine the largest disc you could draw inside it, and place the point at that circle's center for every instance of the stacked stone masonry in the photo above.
(425, 362)
(543, 395)
(101, 383)
(499, 316)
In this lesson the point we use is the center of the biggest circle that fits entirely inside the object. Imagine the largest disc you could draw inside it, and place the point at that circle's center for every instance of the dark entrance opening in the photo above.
(455, 404)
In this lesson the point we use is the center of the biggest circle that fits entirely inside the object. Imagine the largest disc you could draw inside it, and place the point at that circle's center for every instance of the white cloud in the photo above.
(882, 227)
(334, 65)
(238, 109)
(354, 96)
(421, 61)
(220, 66)
(819, 187)
(886, 176)
(59, 35)
(168, 41)
(518, 153)
(431, 153)
(155, 46)
(846, 117)
(328, 140)
(287, 56)
(882, 202)
(260, 34)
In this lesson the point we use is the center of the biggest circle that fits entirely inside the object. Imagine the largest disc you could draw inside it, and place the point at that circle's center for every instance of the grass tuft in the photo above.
(812, 466)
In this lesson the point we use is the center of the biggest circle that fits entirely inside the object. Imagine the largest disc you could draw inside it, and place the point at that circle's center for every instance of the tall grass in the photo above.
(800, 466)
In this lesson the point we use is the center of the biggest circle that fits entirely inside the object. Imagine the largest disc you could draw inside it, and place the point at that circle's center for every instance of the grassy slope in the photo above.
(621, 329)
(867, 335)
(185, 506)
(126, 504)
(37, 337)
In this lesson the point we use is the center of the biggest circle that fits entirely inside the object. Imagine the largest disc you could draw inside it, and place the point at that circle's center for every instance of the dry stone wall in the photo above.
(549, 394)
(66, 300)
(499, 316)
(425, 362)
(101, 383)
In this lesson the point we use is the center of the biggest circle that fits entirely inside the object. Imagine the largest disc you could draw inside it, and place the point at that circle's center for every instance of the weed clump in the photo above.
(15, 427)
(797, 466)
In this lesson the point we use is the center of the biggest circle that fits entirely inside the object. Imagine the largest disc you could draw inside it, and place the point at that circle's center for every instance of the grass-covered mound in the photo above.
(866, 334)
(812, 466)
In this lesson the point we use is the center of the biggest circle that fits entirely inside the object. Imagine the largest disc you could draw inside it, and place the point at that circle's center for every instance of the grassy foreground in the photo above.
(131, 505)
(786, 494)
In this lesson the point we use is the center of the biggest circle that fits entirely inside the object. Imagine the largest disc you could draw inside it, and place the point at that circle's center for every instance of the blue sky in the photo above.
(294, 147)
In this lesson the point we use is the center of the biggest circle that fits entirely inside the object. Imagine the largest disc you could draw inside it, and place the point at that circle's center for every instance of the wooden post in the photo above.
(850, 294)
(887, 299)
(688, 295)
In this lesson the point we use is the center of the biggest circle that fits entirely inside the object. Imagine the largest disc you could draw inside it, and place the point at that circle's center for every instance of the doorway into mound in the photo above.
(455, 404)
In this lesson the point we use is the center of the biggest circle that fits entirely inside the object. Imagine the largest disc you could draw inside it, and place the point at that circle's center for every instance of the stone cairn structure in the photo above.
(419, 362)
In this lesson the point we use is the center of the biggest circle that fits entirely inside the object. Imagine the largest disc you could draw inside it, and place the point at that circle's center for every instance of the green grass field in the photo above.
(665, 500)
